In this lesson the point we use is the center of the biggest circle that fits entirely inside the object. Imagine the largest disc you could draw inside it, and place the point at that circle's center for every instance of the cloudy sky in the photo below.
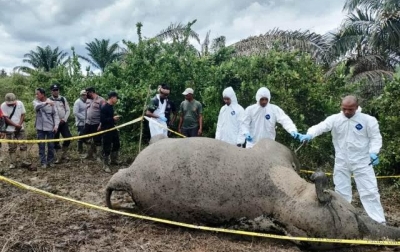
(25, 24)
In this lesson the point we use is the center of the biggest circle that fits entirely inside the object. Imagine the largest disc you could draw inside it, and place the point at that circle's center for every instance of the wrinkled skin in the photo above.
(206, 181)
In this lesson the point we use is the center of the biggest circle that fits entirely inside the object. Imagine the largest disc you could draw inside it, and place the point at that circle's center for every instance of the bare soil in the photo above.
(31, 222)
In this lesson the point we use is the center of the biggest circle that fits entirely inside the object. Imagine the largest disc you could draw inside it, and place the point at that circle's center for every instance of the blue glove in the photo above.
(249, 138)
(374, 159)
(295, 135)
(305, 138)
(163, 118)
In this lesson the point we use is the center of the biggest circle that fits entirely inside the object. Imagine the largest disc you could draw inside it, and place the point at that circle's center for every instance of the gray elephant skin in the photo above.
(206, 181)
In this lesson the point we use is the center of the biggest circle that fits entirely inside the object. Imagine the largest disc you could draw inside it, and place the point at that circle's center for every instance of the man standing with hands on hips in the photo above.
(357, 141)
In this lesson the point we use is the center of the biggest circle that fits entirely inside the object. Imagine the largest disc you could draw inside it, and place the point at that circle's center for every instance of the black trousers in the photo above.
(62, 130)
(110, 142)
(193, 132)
(80, 133)
(89, 129)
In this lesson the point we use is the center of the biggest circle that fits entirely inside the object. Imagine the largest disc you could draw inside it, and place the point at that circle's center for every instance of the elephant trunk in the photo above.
(377, 231)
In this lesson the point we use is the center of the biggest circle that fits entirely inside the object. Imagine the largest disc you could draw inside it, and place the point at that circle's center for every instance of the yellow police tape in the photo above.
(329, 174)
(70, 138)
(151, 120)
(124, 125)
(204, 228)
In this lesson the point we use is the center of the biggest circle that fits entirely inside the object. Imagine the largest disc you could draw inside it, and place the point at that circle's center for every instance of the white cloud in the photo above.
(25, 24)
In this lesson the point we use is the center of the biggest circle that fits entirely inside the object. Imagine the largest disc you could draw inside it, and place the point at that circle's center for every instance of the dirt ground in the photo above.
(31, 222)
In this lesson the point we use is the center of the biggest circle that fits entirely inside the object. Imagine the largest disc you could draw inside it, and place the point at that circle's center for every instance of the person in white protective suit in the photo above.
(156, 111)
(357, 142)
(230, 119)
(261, 118)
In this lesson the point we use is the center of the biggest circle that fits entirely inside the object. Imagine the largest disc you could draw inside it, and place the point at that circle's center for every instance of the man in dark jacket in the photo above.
(111, 144)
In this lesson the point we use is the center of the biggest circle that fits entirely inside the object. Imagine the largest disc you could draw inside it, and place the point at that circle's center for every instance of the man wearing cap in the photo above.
(111, 144)
(14, 116)
(191, 115)
(46, 124)
(63, 110)
(79, 111)
(157, 110)
(94, 103)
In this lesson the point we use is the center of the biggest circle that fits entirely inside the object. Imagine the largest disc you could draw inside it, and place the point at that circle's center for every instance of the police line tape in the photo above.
(204, 228)
(152, 120)
(330, 174)
(71, 138)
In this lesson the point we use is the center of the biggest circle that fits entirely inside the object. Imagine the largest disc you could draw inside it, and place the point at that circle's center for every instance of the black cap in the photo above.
(90, 89)
(54, 86)
(113, 94)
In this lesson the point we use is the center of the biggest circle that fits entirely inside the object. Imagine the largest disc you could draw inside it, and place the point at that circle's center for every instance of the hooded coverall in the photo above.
(260, 121)
(230, 119)
(354, 139)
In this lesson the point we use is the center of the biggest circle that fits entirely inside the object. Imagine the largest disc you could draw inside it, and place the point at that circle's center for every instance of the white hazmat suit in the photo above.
(260, 121)
(354, 139)
(230, 119)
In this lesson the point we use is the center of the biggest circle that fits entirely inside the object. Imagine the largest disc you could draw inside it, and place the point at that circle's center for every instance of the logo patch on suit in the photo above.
(359, 127)
(233, 113)
(267, 117)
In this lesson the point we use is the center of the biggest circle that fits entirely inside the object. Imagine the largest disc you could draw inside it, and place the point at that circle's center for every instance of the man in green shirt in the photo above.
(191, 115)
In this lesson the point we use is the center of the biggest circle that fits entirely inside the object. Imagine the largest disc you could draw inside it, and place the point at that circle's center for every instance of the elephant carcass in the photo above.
(203, 180)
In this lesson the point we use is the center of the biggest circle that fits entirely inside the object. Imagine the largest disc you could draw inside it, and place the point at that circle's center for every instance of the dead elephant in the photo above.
(202, 180)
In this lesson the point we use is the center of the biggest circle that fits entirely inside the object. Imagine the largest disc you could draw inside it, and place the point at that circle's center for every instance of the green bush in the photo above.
(297, 85)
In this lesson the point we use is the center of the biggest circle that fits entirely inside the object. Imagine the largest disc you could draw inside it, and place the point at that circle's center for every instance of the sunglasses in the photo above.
(54, 90)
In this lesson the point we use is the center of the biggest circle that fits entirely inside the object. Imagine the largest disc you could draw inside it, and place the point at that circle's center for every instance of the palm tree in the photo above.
(306, 41)
(101, 53)
(205, 45)
(218, 43)
(368, 39)
(43, 59)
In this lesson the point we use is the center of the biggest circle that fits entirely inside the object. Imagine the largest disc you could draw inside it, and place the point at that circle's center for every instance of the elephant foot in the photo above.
(321, 186)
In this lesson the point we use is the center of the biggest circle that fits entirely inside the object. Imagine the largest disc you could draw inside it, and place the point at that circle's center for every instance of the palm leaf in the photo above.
(176, 32)
(206, 43)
